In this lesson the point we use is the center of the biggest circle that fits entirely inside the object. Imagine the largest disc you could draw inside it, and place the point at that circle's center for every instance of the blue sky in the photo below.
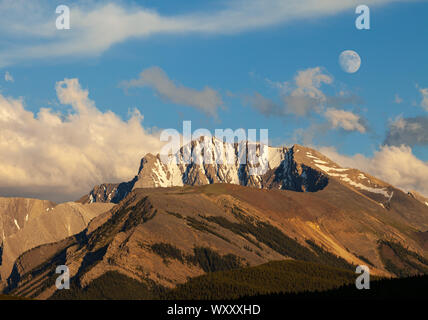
(235, 60)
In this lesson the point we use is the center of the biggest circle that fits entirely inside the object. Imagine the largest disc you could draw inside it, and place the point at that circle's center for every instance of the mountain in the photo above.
(418, 197)
(16, 212)
(297, 168)
(181, 220)
(160, 237)
(27, 223)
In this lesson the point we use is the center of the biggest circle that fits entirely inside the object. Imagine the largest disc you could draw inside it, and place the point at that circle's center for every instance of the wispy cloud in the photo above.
(305, 96)
(424, 102)
(283, 87)
(8, 77)
(397, 99)
(299, 97)
(206, 100)
(263, 105)
(408, 131)
(346, 120)
(59, 156)
(98, 25)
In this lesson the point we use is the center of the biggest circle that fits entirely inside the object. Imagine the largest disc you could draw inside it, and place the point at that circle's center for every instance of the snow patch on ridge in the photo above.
(308, 154)
(320, 161)
(16, 223)
(345, 178)
(329, 169)
(159, 173)
(226, 158)
(369, 189)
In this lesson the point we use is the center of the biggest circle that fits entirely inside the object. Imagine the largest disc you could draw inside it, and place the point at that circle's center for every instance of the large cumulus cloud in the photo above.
(59, 157)
(396, 165)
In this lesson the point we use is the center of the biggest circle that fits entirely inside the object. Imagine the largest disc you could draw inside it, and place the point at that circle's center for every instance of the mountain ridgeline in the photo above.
(282, 171)
(221, 227)
(27, 223)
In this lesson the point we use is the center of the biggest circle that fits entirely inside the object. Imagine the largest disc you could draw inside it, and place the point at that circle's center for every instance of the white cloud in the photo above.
(346, 120)
(397, 99)
(307, 96)
(408, 131)
(8, 77)
(396, 165)
(207, 100)
(263, 105)
(309, 81)
(283, 87)
(299, 97)
(96, 25)
(304, 96)
(60, 157)
(424, 102)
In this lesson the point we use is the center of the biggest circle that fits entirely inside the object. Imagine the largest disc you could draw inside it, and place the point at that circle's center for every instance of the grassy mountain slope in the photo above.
(153, 235)
(28, 223)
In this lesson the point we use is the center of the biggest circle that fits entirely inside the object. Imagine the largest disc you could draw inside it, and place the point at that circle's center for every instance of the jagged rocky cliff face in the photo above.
(278, 169)
(296, 168)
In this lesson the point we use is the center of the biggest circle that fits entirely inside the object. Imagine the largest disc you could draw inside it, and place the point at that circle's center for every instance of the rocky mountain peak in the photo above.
(209, 160)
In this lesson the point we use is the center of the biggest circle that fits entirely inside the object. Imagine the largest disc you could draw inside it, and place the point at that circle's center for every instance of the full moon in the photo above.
(349, 61)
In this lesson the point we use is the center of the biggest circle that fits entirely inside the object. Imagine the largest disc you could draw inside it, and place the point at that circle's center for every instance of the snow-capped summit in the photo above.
(210, 160)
